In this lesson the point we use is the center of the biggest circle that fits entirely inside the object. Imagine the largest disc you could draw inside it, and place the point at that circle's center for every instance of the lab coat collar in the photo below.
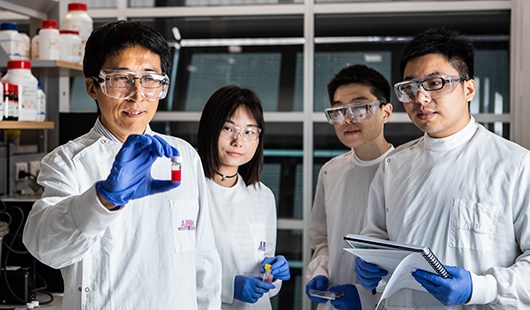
(455, 140)
(102, 130)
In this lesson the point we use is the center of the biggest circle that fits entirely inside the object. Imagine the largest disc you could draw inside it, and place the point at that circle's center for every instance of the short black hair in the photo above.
(456, 48)
(363, 75)
(110, 39)
(218, 110)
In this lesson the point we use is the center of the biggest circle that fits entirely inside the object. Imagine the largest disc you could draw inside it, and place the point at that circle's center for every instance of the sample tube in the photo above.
(267, 276)
(175, 168)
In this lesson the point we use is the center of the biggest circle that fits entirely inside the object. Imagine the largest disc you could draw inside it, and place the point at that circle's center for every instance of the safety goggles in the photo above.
(231, 131)
(119, 84)
(431, 86)
(356, 112)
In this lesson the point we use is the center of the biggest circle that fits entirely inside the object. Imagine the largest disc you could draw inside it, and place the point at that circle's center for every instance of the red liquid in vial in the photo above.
(175, 175)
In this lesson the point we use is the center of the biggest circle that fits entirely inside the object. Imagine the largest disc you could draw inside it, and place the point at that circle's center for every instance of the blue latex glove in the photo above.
(349, 301)
(317, 283)
(130, 176)
(368, 274)
(450, 292)
(279, 267)
(250, 289)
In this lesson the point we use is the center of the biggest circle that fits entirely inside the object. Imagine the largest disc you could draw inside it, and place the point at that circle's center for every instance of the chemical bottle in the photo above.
(10, 102)
(26, 45)
(2, 101)
(78, 19)
(35, 45)
(11, 40)
(49, 40)
(176, 165)
(19, 73)
(70, 46)
(41, 104)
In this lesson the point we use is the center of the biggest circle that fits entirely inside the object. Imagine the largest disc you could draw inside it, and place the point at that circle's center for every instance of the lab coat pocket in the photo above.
(259, 237)
(473, 225)
(184, 213)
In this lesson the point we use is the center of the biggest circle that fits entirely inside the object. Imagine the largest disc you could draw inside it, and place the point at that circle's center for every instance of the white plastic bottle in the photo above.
(2, 101)
(41, 104)
(11, 40)
(49, 40)
(78, 19)
(70, 46)
(26, 45)
(35, 46)
(19, 73)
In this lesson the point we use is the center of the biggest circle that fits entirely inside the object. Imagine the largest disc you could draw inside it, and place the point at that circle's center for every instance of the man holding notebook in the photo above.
(460, 189)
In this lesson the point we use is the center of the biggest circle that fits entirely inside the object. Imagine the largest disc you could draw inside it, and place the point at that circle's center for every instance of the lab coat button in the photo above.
(411, 148)
(79, 289)
(76, 159)
(387, 210)
(103, 141)
(388, 160)
(87, 289)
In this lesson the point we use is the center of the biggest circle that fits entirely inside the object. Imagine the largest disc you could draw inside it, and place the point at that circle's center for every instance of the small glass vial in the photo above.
(29, 305)
(267, 276)
(35, 304)
(176, 165)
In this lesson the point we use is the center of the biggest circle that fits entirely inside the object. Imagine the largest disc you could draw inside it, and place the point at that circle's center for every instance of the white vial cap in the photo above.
(29, 305)
(35, 303)
(176, 159)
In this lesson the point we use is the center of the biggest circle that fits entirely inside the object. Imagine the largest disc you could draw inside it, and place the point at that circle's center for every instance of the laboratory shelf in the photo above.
(34, 8)
(26, 125)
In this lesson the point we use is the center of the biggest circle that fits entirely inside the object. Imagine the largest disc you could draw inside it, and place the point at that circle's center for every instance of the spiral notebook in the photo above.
(368, 243)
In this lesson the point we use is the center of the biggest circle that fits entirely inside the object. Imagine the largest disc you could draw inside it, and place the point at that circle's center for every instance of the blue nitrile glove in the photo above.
(368, 274)
(349, 301)
(130, 176)
(319, 283)
(279, 267)
(250, 289)
(450, 292)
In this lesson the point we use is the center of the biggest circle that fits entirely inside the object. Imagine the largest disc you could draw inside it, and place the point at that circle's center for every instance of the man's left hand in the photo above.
(450, 292)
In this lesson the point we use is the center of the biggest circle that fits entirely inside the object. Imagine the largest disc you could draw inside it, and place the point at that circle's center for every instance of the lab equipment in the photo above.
(119, 84)
(279, 266)
(449, 291)
(250, 289)
(319, 283)
(49, 40)
(436, 86)
(19, 73)
(356, 112)
(70, 46)
(10, 102)
(4, 230)
(267, 276)
(41, 103)
(325, 294)
(130, 177)
(176, 165)
(231, 131)
(368, 274)
(349, 301)
(11, 40)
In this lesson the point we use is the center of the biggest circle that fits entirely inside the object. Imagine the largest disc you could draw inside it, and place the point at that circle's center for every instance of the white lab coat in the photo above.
(466, 197)
(154, 252)
(244, 221)
(339, 209)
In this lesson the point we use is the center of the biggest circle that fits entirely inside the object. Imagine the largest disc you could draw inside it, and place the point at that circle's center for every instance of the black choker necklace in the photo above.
(224, 177)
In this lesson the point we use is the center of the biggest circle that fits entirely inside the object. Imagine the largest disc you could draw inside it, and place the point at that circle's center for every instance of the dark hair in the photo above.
(219, 109)
(363, 75)
(457, 49)
(112, 38)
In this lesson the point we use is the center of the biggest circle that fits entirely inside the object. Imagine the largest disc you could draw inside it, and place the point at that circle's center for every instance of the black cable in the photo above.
(48, 301)
(7, 254)
(42, 290)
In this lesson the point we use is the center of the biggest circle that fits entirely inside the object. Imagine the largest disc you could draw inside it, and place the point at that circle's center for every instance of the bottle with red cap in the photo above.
(19, 73)
(49, 40)
(78, 19)
(70, 46)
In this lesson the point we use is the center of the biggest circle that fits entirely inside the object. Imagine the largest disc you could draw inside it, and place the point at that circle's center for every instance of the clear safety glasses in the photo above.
(433, 87)
(231, 131)
(356, 112)
(119, 84)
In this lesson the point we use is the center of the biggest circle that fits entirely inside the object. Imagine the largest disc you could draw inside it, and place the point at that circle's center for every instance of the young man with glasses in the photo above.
(460, 189)
(123, 235)
(360, 98)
